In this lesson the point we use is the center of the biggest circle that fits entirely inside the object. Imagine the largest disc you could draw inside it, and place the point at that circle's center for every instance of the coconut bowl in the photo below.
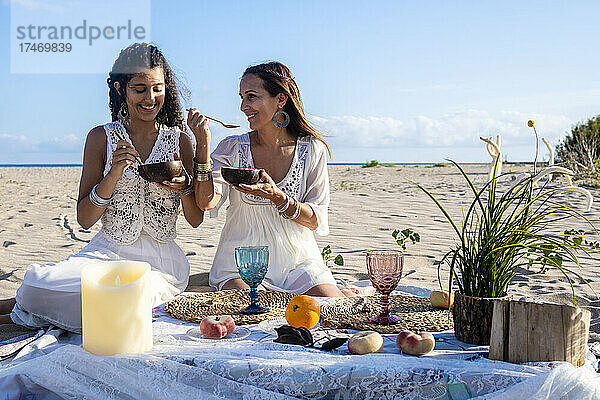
(236, 175)
(162, 171)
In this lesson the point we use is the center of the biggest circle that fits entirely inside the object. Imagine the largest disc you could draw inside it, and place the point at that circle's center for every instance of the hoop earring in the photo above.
(123, 114)
(286, 119)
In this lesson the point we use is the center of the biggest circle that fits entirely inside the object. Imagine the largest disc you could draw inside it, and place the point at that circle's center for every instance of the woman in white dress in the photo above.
(291, 200)
(138, 217)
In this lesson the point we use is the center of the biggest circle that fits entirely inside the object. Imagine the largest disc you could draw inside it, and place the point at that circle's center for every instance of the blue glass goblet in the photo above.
(252, 263)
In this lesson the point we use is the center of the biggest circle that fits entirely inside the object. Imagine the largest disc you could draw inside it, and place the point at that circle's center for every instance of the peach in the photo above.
(216, 327)
(415, 345)
(441, 299)
(365, 342)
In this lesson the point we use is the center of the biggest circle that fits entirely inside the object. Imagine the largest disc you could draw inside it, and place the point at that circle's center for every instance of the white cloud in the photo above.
(356, 139)
(457, 129)
(19, 144)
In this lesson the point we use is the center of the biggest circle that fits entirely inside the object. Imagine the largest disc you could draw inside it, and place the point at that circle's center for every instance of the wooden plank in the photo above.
(584, 335)
(517, 331)
(499, 338)
(576, 323)
(530, 332)
(569, 330)
(553, 346)
(537, 329)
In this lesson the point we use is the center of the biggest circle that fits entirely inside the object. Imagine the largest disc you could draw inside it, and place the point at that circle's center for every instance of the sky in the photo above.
(395, 81)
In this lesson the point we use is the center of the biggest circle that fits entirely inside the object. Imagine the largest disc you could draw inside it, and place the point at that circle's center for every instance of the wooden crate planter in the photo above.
(528, 332)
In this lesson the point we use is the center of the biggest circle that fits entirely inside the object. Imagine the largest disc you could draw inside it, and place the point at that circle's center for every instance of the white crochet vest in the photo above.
(291, 183)
(138, 204)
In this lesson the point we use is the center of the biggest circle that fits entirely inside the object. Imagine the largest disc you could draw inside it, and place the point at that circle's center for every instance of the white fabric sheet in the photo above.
(257, 368)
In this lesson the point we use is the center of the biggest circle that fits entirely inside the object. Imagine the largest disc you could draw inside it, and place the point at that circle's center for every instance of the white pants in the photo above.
(51, 294)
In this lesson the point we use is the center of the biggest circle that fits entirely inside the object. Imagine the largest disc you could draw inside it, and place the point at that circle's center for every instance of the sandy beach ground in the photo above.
(38, 225)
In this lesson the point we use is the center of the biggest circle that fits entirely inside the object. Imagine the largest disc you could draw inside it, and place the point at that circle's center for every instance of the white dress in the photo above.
(295, 262)
(138, 225)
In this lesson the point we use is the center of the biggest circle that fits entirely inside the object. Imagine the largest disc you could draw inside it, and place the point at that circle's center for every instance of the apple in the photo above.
(440, 299)
(415, 345)
(216, 327)
(365, 342)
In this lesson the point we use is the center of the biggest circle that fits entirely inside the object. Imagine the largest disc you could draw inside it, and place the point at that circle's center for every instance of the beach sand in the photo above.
(38, 224)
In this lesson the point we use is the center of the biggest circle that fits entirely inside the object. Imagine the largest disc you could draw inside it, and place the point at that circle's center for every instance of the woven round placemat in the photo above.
(195, 307)
(417, 313)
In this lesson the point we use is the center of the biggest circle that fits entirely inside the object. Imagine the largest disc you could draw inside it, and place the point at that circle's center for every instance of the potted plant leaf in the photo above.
(499, 234)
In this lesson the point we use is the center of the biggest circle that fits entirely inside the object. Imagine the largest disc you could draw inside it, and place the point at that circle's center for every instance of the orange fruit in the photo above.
(303, 311)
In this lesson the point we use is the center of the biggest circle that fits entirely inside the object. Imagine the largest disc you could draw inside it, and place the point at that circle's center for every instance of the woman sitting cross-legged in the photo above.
(290, 201)
(138, 217)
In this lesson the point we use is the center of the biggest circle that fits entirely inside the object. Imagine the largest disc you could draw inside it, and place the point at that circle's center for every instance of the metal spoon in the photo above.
(121, 138)
(216, 120)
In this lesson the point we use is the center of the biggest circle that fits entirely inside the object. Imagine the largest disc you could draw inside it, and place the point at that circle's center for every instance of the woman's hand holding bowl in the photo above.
(265, 188)
(178, 183)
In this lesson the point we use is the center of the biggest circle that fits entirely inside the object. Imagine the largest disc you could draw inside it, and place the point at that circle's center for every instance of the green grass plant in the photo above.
(372, 163)
(501, 234)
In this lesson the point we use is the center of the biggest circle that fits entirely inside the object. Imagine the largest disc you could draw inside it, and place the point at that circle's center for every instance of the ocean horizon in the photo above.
(332, 163)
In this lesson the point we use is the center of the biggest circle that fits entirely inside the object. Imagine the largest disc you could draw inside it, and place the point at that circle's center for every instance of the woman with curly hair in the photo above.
(138, 217)
(291, 200)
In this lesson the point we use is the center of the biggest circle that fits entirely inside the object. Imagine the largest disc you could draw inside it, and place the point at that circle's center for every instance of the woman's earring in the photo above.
(123, 114)
(286, 119)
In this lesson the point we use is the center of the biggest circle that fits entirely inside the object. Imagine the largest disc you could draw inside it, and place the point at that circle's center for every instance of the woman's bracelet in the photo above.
(202, 171)
(202, 167)
(202, 176)
(98, 201)
(298, 210)
(283, 206)
(189, 189)
(296, 213)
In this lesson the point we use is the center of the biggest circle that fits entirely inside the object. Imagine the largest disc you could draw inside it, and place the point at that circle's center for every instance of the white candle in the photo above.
(116, 306)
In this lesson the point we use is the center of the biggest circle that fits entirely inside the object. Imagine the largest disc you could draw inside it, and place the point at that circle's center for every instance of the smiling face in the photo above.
(145, 94)
(258, 105)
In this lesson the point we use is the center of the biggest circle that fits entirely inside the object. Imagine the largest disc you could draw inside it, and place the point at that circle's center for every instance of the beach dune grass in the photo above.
(501, 234)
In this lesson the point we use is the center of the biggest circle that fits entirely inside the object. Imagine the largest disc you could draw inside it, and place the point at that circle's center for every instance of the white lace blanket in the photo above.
(257, 368)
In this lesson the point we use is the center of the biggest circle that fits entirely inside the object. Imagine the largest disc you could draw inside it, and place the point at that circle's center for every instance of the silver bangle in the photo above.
(296, 213)
(186, 191)
(98, 201)
(298, 210)
(283, 206)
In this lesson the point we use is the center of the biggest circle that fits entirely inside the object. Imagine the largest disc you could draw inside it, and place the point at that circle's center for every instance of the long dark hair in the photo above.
(277, 78)
(131, 61)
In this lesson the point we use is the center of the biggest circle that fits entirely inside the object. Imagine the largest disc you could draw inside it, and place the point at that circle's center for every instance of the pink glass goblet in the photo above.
(385, 270)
